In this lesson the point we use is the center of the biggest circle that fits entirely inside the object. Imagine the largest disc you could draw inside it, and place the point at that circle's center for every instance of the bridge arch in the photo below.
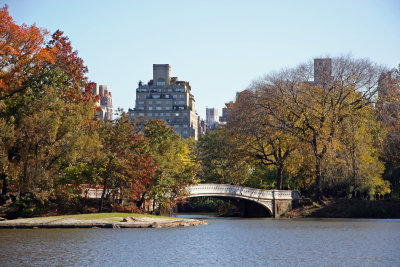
(243, 203)
(275, 201)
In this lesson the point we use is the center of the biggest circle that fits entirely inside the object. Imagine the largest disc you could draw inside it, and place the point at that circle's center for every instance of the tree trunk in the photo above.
(279, 177)
(103, 195)
(354, 166)
(140, 202)
(318, 157)
(4, 190)
(318, 186)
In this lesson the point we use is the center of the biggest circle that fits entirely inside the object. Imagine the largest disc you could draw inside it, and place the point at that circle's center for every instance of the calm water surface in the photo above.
(224, 242)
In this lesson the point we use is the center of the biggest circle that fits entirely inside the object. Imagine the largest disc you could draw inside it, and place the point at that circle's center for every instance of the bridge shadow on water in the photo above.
(225, 207)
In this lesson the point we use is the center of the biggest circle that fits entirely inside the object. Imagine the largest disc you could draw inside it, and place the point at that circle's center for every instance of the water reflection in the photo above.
(224, 242)
(202, 216)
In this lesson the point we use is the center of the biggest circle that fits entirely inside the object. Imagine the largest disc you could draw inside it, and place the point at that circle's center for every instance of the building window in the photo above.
(149, 114)
(141, 114)
(181, 96)
(174, 96)
(156, 96)
(185, 126)
(140, 102)
(160, 82)
(167, 114)
(150, 108)
(167, 108)
(158, 108)
(181, 102)
(158, 102)
(176, 114)
(150, 102)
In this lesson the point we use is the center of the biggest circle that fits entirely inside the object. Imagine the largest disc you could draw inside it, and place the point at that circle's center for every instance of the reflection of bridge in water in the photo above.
(251, 202)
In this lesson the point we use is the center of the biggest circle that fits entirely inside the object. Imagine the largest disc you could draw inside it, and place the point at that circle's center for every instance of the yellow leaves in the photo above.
(330, 124)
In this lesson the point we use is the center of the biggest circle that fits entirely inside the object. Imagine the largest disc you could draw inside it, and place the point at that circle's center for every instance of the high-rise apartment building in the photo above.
(322, 70)
(212, 118)
(223, 118)
(105, 108)
(166, 98)
(202, 128)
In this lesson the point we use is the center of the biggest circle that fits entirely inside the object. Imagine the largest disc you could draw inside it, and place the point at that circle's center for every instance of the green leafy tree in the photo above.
(220, 161)
(176, 167)
(49, 134)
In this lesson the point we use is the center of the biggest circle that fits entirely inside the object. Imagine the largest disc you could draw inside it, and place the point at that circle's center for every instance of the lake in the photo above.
(224, 242)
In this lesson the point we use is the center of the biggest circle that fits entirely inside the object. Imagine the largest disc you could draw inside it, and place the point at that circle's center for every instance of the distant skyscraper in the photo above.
(166, 98)
(212, 118)
(105, 108)
(202, 128)
(225, 110)
(322, 70)
(385, 83)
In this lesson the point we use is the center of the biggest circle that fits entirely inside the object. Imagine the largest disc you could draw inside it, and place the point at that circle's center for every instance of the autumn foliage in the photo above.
(329, 137)
(53, 149)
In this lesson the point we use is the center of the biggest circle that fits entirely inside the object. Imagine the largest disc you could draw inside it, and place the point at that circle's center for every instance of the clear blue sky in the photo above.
(218, 46)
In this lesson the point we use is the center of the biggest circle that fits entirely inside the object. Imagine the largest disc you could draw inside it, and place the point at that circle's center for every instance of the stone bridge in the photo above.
(275, 202)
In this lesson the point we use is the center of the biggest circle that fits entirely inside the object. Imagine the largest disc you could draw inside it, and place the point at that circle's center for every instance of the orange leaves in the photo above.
(26, 50)
(22, 52)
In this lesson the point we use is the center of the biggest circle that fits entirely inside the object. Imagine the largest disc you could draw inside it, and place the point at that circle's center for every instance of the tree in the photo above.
(176, 167)
(22, 54)
(220, 161)
(353, 163)
(389, 116)
(43, 104)
(48, 135)
(126, 162)
(257, 134)
(315, 110)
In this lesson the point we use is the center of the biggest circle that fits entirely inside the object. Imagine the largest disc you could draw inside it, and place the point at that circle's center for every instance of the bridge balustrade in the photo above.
(234, 190)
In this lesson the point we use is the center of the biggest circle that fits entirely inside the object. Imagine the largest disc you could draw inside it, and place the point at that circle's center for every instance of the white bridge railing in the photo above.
(240, 191)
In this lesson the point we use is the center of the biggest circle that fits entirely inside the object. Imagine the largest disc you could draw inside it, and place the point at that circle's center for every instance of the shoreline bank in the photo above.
(347, 208)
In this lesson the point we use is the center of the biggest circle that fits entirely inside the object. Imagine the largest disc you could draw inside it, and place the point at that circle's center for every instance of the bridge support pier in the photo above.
(282, 205)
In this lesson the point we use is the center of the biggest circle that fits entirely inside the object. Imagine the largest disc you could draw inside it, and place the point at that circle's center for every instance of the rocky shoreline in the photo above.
(112, 222)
